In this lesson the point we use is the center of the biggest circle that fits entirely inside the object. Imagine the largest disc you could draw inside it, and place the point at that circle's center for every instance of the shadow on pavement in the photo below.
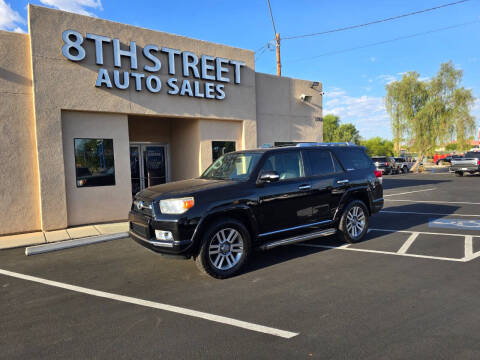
(390, 221)
(391, 182)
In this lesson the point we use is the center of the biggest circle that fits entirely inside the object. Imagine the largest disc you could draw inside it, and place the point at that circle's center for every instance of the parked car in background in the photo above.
(447, 160)
(402, 164)
(262, 199)
(385, 164)
(470, 163)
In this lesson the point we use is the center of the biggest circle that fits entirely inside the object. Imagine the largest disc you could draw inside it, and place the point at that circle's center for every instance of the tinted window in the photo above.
(336, 163)
(94, 163)
(379, 158)
(235, 166)
(353, 159)
(288, 165)
(472, 155)
(220, 148)
(320, 162)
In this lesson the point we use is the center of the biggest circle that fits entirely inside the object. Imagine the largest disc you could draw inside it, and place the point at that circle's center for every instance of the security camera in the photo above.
(306, 98)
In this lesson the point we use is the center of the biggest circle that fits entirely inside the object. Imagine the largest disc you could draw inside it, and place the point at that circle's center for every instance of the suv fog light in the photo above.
(163, 235)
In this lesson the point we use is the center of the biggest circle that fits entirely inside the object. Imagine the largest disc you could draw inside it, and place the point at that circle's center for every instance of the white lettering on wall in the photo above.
(205, 69)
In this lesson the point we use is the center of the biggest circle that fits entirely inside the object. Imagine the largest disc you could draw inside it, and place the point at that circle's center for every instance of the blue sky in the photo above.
(354, 81)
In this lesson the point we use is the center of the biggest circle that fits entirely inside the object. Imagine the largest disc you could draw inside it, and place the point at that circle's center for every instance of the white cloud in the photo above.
(9, 18)
(366, 112)
(387, 79)
(19, 30)
(75, 6)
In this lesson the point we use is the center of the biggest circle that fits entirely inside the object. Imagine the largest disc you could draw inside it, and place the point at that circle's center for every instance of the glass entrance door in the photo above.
(148, 165)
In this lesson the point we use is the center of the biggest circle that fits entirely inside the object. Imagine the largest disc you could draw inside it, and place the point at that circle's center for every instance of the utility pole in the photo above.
(277, 39)
(279, 63)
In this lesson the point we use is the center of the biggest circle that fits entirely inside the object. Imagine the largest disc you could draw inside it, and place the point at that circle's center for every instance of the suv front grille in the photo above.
(146, 209)
(140, 230)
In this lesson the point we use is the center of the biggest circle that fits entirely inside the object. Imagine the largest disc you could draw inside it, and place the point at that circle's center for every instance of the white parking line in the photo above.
(408, 243)
(381, 252)
(156, 305)
(426, 213)
(435, 202)
(469, 254)
(410, 192)
(468, 246)
(420, 232)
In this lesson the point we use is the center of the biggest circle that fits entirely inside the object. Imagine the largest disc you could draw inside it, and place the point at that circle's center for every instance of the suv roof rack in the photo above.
(325, 144)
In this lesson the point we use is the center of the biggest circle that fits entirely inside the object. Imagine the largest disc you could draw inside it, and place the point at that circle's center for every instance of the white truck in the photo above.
(403, 165)
(470, 163)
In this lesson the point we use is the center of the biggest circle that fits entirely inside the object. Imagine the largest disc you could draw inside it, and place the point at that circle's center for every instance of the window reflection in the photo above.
(94, 162)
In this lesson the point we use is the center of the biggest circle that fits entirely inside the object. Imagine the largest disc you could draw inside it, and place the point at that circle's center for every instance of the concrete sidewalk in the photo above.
(44, 237)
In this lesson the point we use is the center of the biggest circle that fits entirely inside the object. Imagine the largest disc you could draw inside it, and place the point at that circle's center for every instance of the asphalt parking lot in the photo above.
(410, 290)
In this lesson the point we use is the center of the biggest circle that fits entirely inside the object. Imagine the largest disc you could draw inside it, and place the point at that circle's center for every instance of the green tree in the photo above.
(451, 147)
(378, 147)
(330, 127)
(333, 131)
(348, 133)
(429, 113)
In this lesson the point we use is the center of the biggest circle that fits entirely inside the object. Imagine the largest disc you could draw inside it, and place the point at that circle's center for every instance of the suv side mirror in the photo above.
(269, 176)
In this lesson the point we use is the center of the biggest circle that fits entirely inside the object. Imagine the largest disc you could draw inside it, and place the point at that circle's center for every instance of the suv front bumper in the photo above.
(142, 230)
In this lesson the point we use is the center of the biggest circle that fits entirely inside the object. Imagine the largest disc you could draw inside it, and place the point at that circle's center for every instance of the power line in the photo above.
(372, 22)
(385, 41)
(271, 15)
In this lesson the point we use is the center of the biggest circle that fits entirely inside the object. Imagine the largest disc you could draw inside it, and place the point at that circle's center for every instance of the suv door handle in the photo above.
(343, 181)
(304, 187)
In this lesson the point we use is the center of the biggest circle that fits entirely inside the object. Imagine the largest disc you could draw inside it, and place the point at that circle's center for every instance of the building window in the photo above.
(221, 147)
(94, 163)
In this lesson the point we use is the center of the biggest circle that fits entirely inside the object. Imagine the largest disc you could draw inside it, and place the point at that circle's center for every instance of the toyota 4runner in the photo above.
(259, 199)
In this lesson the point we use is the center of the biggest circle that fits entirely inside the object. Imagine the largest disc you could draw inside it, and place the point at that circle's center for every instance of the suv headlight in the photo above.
(176, 206)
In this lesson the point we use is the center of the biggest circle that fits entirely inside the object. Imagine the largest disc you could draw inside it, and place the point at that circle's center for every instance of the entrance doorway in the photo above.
(148, 165)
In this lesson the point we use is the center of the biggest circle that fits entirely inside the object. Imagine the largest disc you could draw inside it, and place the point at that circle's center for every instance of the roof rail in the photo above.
(324, 144)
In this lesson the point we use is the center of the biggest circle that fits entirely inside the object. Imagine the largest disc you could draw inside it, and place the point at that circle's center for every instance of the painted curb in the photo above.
(44, 248)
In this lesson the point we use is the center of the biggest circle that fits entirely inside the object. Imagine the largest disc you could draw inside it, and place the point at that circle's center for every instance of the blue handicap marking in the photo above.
(455, 224)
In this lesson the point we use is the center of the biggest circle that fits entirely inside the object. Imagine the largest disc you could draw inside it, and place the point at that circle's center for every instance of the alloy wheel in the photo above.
(225, 249)
(355, 221)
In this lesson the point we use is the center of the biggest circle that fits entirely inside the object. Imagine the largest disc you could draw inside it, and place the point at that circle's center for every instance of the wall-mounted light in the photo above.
(306, 98)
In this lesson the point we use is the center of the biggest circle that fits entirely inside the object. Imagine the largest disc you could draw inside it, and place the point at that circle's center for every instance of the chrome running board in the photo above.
(299, 238)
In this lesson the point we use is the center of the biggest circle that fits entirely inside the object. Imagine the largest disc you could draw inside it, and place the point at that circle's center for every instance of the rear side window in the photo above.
(320, 162)
(353, 159)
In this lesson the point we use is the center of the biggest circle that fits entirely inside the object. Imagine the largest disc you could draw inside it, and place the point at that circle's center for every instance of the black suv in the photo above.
(386, 164)
(260, 198)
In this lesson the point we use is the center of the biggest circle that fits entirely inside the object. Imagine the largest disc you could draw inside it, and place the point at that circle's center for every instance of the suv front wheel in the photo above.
(225, 248)
(353, 224)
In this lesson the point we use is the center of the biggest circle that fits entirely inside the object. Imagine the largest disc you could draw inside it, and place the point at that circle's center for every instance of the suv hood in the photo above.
(181, 188)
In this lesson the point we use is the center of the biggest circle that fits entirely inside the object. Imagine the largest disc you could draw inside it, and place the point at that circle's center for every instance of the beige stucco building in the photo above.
(92, 111)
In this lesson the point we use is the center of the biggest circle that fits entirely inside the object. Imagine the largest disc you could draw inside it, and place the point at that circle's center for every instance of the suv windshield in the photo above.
(232, 166)
(379, 158)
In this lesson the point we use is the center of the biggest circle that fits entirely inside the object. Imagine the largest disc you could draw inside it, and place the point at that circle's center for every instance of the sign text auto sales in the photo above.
(215, 71)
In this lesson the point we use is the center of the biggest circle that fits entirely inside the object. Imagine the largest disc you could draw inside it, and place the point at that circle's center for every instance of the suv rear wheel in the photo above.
(353, 224)
(225, 248)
